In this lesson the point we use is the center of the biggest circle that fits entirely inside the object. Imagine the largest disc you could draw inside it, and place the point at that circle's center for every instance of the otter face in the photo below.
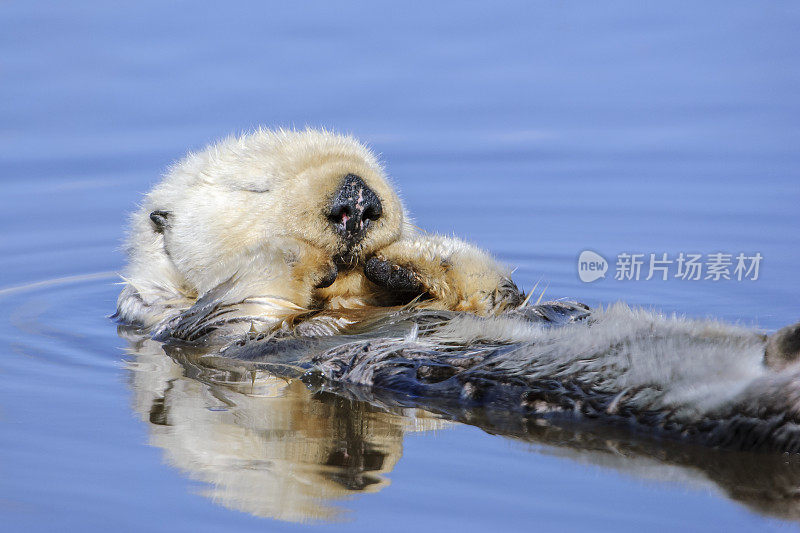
(277, 191)
(343, 206)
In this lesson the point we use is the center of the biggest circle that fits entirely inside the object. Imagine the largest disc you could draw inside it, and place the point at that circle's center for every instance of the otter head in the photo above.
(276, 191)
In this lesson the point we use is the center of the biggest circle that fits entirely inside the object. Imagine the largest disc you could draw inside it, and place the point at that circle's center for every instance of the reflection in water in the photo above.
(284, 449)
(267, 445)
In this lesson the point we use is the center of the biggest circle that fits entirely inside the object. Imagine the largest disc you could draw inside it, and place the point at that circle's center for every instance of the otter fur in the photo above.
(305, 221)
(290, 251)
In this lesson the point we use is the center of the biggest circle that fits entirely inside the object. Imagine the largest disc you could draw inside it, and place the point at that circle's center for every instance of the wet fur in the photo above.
(698, 381)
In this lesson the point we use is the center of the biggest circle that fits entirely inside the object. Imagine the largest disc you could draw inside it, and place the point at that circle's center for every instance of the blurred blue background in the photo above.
(534, 129)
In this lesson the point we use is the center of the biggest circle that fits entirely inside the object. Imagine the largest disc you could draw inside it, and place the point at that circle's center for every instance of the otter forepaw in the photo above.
(327, 276)
(452, 274)
(392, 276)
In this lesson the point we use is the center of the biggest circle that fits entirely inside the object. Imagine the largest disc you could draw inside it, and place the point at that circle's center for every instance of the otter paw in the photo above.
(393, 276)
(327, 277)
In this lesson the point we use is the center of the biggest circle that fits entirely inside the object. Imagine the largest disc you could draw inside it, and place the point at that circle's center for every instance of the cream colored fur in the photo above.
(254, 208)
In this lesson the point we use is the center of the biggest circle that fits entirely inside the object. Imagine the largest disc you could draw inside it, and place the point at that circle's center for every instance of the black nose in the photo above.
(353, 208)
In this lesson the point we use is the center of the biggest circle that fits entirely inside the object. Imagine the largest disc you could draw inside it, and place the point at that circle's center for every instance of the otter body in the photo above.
(293, 248)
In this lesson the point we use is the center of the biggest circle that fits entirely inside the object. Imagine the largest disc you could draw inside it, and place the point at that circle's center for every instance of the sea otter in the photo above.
(303, 221)
(290, 251)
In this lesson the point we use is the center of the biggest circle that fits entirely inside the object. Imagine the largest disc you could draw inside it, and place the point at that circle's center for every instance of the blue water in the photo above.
(534, 129)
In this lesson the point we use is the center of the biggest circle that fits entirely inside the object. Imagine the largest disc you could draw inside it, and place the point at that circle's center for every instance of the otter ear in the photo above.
(160, 219)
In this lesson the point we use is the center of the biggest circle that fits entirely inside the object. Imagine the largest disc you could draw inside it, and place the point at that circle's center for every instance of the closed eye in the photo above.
(251, 188)
(255, 184)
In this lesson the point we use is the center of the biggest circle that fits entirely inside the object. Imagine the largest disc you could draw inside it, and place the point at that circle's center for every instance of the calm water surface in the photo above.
(533, 129)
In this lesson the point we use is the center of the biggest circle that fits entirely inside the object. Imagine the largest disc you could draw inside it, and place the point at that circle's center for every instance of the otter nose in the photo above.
(354, 207)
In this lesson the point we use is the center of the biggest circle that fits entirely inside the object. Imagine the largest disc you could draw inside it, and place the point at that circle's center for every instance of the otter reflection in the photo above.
(266, 445)
(286, 449)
